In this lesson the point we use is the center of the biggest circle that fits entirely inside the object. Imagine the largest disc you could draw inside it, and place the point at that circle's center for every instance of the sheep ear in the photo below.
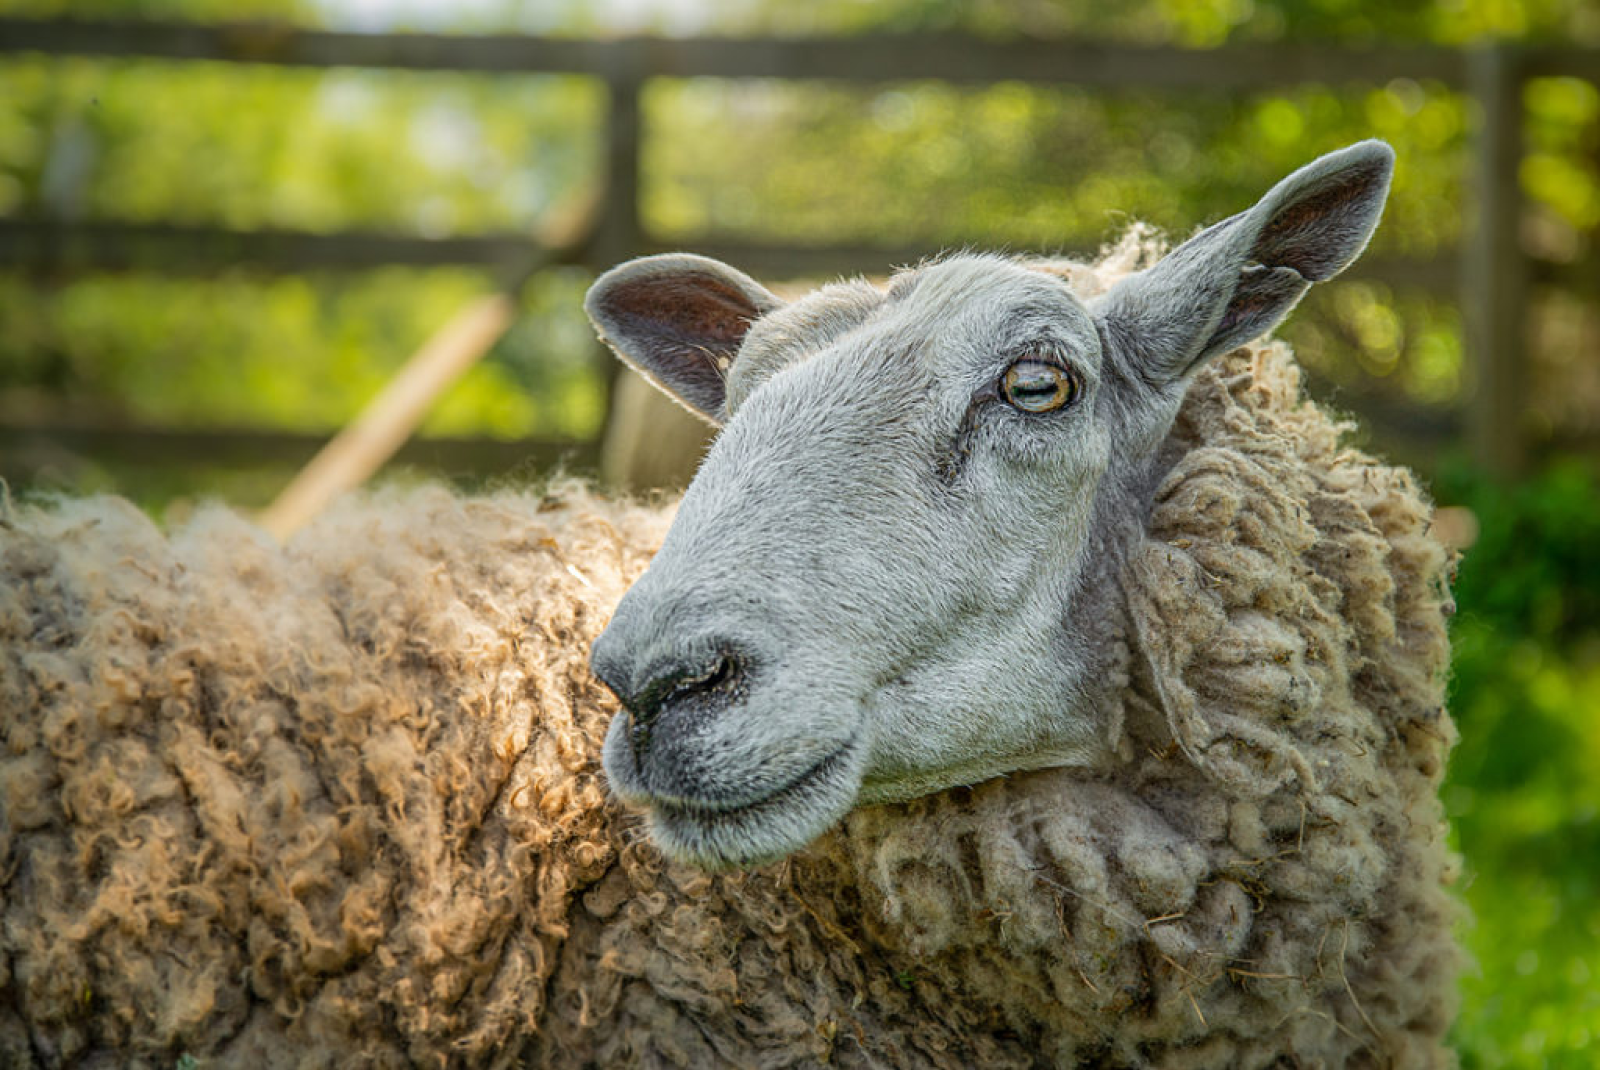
(679, 319)
(1235, 280)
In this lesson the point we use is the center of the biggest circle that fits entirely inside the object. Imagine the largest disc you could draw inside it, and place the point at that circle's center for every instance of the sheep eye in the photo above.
(1035, 386)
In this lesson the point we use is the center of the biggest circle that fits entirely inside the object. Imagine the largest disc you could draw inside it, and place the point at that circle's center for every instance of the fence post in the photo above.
(1494, 275)
(619, 234)
(649, 442)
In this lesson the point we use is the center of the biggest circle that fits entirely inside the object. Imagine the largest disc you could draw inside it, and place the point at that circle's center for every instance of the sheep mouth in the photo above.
(766, 829)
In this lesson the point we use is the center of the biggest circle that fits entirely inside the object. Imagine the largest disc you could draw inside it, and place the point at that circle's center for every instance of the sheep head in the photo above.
(896, 570)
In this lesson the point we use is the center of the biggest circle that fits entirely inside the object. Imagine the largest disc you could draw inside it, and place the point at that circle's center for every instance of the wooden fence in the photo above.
(1490, 275)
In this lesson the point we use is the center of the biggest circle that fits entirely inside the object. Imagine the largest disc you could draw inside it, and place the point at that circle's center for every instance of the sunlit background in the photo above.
(210, 265)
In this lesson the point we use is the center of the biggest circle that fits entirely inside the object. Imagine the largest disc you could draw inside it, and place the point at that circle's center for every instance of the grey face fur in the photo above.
(890, 576)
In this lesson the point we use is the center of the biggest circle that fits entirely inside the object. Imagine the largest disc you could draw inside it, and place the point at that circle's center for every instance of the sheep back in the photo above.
(340, 803)
(293, 806)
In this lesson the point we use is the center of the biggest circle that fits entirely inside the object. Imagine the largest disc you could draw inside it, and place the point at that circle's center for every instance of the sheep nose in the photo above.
(703, 683)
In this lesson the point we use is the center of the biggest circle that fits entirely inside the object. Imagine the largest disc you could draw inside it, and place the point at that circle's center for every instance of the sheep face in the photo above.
(896, 570)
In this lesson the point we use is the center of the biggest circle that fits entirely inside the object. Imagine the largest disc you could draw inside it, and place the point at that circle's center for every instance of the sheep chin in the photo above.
(763, 831)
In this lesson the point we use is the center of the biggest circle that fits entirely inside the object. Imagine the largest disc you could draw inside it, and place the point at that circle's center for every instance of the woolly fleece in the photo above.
(339, 803)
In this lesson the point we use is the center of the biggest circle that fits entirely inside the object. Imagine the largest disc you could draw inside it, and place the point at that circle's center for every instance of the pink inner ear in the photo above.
(698, 309)
(1303, 235)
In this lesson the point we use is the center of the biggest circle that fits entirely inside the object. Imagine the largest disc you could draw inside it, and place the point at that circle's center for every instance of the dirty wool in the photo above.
(339, 802)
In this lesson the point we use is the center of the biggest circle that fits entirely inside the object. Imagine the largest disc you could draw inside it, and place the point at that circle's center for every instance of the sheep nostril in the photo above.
(680, 681)
(707, 682)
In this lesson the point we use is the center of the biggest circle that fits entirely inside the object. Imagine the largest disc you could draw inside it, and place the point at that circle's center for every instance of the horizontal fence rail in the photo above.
(43, 444)
(1490, 276)
(50, 246)
(868, 58)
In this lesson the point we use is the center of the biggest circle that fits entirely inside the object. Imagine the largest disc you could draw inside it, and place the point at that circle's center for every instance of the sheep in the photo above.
(341, 801)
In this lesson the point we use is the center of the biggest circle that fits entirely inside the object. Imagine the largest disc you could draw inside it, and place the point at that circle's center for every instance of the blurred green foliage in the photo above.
(1026, 166)
(298, 353)
(1524, 783)
(918, 163)
(250, 146)
(253, 146)
(1011, 165)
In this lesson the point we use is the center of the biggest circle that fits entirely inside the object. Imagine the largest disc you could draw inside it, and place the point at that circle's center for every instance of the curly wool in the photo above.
(1262, 876)
(341, 801)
